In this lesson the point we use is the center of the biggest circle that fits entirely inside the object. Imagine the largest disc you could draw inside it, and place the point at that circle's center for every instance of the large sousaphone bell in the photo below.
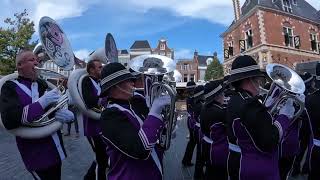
(154, 68)
(54, 45)
(106, 55)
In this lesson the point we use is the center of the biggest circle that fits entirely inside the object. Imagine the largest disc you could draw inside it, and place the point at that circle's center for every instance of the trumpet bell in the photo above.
(286, 78)
(152, 64)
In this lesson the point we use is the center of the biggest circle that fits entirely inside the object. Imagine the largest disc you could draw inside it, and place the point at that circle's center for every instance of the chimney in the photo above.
(237, 10)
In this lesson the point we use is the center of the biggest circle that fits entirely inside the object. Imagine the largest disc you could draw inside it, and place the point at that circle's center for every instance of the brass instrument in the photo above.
(154, 67)
(290, 84)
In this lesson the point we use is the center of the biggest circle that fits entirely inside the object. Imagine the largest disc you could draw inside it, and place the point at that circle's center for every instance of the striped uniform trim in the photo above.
(198, 94)
(189, 87)
(213, 92)
(308, 80)
(114, 75)
(145, 140)
(244, 69)
(25, 115)
(278, 125)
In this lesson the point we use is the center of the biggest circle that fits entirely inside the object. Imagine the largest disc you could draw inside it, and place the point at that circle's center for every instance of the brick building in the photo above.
(273, 31)
(194, 69)
(163, 49)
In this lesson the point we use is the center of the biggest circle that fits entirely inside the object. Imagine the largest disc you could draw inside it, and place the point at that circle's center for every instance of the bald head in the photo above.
(23, 55)
(26, 62)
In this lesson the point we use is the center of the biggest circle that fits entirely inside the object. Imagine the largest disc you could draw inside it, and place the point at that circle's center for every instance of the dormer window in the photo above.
(287, 6)
(162, 47)
(209, 61)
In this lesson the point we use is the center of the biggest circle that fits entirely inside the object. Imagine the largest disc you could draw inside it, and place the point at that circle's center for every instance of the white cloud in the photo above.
(183, 54)
(315, 3)
(82, 53)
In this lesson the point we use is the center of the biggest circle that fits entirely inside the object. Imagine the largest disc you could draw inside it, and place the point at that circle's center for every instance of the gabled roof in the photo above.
(302, 9)
(141, 45)
(124, 51)
(203, 60)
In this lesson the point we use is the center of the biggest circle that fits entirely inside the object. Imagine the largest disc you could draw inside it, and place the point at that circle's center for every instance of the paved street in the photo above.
(80, 157)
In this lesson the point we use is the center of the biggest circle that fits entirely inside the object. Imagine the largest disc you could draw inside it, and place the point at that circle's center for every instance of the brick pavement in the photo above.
(80, 157)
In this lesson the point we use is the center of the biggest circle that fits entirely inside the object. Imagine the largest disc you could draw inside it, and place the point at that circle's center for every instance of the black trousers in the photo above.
(215, 172)
(52, 173)
(234, 165)
(190, 148)
(315, 166)
(285, 165)
(198, 171)
(99, 166)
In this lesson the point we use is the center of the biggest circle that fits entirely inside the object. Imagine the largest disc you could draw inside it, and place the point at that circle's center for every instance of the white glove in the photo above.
(49, 98)
(159, 103)
(64, 116)
(274, 95)
(301, 97)
(288, 109)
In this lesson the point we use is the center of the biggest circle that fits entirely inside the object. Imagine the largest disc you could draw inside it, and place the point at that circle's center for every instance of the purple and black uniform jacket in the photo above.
(17, 109)
(90, 93)
(215, 141)
(312, 105)
(254, 138)
(131, 141)
(196, 108)
(190, 121)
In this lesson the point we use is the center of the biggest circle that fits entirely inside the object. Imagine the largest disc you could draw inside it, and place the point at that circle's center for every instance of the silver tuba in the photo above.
(289, 84)
(154, 67)
(56, 47)
(107, 54)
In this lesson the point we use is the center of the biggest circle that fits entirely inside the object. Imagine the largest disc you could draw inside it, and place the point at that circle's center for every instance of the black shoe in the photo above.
(187, 164)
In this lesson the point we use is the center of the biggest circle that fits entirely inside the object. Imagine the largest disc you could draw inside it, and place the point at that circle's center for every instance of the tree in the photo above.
(14, 37)
(214, 69)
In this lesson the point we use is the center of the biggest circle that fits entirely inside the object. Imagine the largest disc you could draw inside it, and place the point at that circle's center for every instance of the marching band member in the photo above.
(254, 135)
(215, 142)
(312, 104)
(23, 101)
(196, 109)
(131, 140)
(186, 161)
(91, 90)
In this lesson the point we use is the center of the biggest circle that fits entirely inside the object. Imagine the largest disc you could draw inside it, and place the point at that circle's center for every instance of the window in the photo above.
(230, 48)
(162, 53)
(169, 55)
(313, 39)
(162, 47)
(288, 36)
(185, 66)
(185, 78)
(181, 67)
(294, 2)
(287, 6)
(192, 77)
(249, 42)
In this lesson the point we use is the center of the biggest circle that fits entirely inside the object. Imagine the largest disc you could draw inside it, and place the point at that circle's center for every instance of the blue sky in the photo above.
(188, 25)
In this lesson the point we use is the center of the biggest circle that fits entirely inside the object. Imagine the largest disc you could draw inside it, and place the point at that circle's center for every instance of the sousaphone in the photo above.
(54, 45)
(108, 54)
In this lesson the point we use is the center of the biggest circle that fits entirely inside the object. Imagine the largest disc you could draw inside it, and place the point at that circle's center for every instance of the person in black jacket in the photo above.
(91, 91)
(213, 126)
(254, 135)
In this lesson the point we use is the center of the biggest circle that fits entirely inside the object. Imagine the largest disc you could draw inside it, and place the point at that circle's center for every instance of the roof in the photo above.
(124, 51)
(203, 60)
(302, 9)
(144, 44)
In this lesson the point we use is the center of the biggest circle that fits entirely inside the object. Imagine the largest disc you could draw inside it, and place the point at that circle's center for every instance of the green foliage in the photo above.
(214, 70)
(14, 37)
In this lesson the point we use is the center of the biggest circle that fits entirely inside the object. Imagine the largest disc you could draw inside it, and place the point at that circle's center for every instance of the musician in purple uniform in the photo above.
(215, 142)
(186, 161)
(312, 104)
(253, 134)
(90, 91)
(130, 138)
(298, 140)
(23, 101)
(197, 99)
